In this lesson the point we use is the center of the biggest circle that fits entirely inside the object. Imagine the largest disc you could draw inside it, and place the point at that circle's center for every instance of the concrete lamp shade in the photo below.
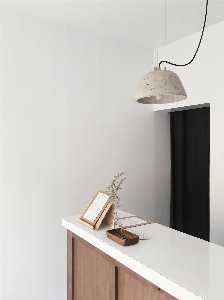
(160, 87)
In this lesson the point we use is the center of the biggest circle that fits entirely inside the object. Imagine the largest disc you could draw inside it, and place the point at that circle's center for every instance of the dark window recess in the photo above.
(190, 159)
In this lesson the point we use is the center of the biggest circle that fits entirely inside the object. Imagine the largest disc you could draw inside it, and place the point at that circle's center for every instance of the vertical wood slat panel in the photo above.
(130, 288)
(112, 283)
(70, 266)
(94, 276)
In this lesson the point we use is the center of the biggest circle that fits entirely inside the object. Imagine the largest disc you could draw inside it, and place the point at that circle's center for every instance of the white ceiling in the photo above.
(139, 23)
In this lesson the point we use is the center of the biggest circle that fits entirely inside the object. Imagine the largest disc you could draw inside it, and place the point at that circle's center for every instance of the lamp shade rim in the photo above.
(166, 99)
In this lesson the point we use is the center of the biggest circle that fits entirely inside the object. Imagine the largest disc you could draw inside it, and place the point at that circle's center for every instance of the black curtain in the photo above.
(190, 153)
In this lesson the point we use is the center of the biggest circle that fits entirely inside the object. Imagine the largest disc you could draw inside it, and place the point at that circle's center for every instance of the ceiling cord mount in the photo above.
(164, 61)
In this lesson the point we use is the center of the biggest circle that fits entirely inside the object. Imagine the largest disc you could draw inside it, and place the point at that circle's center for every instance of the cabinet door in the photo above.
(94, 276)
(136, 288)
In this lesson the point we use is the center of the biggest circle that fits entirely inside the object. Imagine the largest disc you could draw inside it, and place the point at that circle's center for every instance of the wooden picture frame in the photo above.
(91, 205)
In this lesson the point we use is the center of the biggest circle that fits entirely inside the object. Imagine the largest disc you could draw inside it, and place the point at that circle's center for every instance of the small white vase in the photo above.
(114, 223)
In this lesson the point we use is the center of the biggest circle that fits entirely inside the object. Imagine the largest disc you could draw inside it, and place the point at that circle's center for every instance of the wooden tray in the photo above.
(130, 238)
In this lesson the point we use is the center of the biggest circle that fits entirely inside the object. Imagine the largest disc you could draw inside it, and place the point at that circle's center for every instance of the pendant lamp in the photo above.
(163, 86)
(160, 86)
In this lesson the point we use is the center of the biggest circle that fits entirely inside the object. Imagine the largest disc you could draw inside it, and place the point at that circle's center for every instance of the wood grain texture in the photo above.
(108, 219)
(94, 276)
(130, 238)
(70, 264)
(131, 288)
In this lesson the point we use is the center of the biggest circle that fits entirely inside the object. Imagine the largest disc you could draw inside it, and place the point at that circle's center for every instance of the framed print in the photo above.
(95, 208)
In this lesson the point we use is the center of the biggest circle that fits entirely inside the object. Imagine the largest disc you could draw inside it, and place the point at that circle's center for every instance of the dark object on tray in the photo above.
(122, 237)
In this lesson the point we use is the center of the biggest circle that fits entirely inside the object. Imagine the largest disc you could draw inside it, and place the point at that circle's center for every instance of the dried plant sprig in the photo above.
(113, 189)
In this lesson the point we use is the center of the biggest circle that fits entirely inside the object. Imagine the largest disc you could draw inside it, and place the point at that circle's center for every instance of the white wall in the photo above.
(69, 124)
(204, 81)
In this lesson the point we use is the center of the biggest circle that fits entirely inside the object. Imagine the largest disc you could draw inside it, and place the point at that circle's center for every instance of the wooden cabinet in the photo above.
(93, 275)
(134, 287)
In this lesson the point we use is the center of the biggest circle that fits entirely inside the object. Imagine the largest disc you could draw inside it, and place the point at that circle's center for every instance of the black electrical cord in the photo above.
(164, 61)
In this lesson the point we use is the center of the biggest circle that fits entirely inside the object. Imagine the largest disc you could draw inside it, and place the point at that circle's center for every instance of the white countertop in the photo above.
(186, 267)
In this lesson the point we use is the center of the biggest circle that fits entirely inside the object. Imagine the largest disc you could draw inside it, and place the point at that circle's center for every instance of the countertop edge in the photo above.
(159, 280)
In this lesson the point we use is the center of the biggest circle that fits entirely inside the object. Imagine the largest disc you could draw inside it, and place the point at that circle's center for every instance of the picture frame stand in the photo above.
(104, 215)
